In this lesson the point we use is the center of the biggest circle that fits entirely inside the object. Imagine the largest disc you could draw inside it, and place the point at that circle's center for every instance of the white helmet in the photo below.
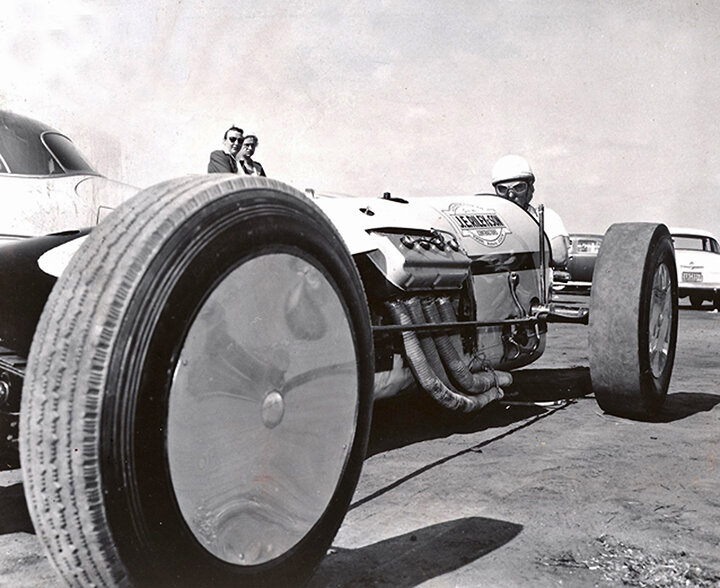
(512, 167)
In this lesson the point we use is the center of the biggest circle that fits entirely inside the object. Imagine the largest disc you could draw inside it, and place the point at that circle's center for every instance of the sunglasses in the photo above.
(516, 188)
(233, 139)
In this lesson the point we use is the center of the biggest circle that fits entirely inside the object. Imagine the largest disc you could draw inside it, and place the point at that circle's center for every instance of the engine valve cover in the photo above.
(421, 261)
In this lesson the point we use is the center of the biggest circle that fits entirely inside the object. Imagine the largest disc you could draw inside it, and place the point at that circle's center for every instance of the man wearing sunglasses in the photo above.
(223, 161)
(513, 179)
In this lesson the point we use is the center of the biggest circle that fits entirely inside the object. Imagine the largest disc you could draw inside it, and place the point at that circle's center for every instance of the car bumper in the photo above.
(688, 288)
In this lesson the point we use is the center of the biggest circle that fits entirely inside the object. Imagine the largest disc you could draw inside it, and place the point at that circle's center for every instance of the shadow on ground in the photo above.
(557, 384)
(413, 558)
(14, 516)
(550, 384)
(681, 405)
(414, 417)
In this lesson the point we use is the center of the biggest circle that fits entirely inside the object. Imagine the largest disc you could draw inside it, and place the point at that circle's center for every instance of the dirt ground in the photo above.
(546, 491)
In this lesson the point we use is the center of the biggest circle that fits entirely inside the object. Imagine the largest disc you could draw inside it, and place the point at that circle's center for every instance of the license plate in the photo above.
(692, 277)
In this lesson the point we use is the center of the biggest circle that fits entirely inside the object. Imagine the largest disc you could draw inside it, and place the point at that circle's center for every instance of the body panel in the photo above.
(697, 255)
(46, 184)
(583, 252)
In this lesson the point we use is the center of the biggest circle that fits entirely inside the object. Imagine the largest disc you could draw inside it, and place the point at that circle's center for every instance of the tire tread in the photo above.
(61, 470)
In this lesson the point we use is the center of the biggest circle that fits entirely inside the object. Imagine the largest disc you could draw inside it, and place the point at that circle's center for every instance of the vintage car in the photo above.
(584, 248)
(697, 255)
(47, 185)
(195, 389)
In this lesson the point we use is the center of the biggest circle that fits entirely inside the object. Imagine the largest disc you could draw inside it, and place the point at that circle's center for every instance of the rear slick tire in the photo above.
(633, 319)
(198, 394)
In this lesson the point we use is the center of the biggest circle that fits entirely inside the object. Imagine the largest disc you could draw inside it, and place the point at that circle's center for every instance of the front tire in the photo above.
(198, 394)
(633, 319)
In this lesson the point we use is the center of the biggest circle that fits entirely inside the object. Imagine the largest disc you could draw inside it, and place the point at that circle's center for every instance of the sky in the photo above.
(614, 103)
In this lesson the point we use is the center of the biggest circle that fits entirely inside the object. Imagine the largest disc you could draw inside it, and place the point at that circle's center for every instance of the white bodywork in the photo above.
(698, 268)
(350, 216)
(35, 206)
(509, 235)
(517, 233)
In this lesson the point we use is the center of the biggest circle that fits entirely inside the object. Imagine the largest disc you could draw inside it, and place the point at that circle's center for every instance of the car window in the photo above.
(24, 152)
(66, 153)
(695, 243)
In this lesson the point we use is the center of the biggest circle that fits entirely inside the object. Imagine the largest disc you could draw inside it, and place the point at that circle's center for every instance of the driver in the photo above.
(513, 179)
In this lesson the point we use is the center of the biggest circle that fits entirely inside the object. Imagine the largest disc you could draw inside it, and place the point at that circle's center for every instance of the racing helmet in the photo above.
(512, 167)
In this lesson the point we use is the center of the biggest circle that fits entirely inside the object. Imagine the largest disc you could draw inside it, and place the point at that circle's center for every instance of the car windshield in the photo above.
(696, 243)
(24, 152)
(66, 153)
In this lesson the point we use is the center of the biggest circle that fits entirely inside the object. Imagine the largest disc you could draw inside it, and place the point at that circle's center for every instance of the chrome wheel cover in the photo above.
(262, 409)
(661, 318)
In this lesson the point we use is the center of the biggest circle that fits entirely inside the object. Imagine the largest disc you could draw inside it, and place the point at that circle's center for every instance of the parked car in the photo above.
(584, 248)
(46, 184)
(201, 366)
(697, 255)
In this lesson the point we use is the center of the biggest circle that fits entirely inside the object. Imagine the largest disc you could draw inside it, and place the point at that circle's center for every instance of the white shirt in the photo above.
(556, 233)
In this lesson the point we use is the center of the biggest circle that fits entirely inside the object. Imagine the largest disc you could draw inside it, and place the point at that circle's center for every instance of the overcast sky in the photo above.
(614, 103)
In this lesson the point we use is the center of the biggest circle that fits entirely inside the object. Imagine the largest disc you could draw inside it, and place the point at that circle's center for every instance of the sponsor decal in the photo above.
(484, 225)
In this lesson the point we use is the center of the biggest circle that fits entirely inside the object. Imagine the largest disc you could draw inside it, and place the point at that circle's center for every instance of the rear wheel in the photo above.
(696, 300)
(633, 319)
(197, 403)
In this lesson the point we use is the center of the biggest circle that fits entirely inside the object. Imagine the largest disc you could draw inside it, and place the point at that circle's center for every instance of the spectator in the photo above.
(246, 164)
(223, 161)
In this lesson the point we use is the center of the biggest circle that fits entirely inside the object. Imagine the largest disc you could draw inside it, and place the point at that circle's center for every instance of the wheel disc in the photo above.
(263, 408)
(661, 320)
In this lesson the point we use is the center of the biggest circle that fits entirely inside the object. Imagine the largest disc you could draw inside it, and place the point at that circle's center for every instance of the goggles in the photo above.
(517, 188)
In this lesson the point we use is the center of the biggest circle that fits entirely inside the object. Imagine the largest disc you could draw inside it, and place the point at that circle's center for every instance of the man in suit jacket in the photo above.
(223, 161)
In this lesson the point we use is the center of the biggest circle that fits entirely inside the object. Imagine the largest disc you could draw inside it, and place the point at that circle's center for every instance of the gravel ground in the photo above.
(556, 494)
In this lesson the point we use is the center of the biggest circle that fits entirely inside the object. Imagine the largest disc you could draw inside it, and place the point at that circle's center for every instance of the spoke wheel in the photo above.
(201, 382)
(661, 320)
